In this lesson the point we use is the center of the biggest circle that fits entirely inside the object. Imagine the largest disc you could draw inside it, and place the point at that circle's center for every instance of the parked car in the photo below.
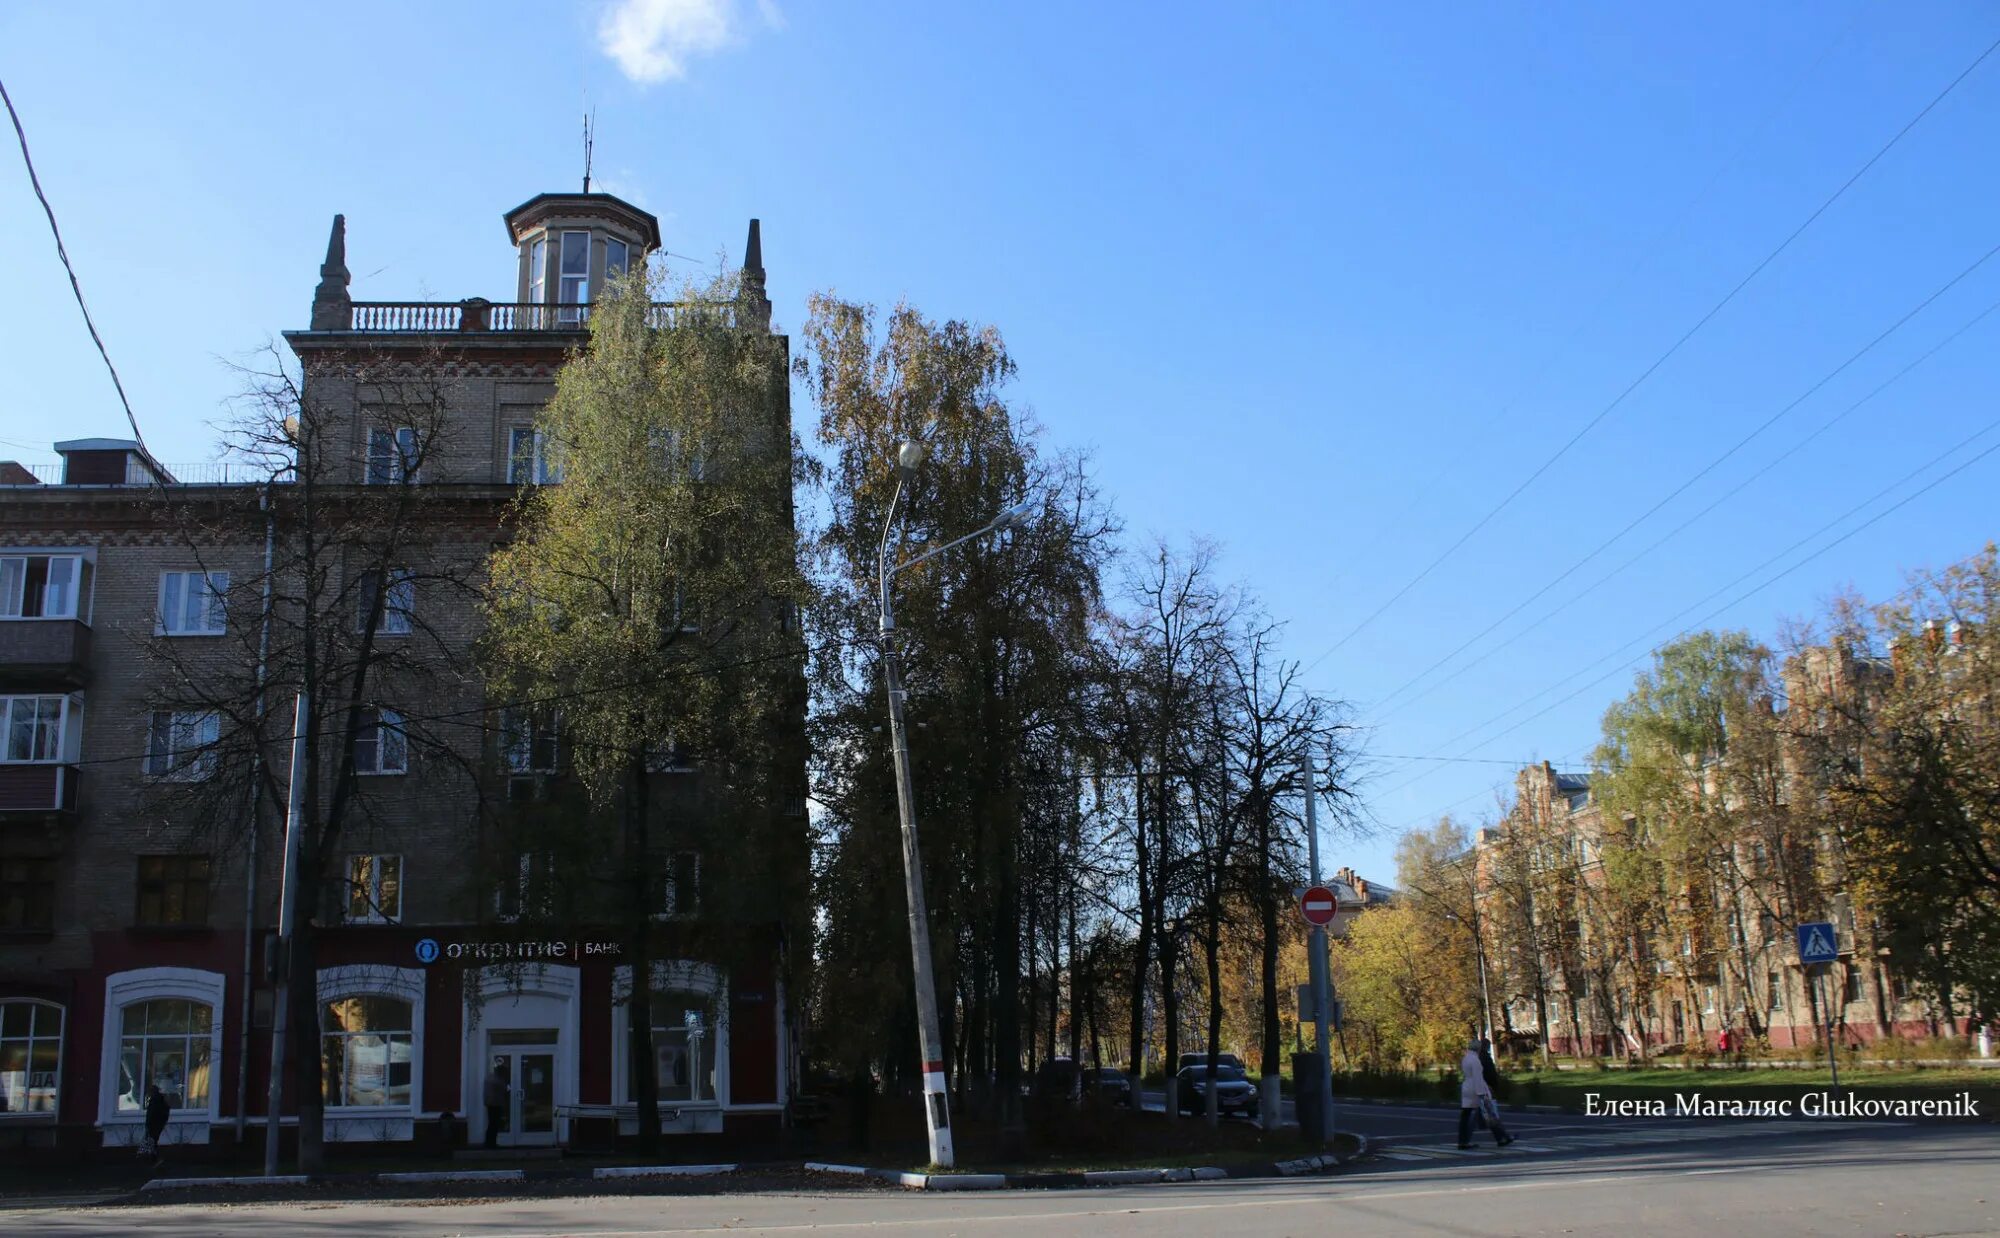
(1056, 1077)
(1109, 1084)
(1200, 1061)
(1233, 1092)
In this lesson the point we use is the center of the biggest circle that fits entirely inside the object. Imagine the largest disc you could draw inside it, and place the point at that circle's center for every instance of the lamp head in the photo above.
(1016, 515)
(910, 455)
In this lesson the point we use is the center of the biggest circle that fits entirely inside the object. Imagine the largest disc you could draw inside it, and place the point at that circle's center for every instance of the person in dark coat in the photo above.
(496, 1103)
(1487, 1068)
(157, 1110)
(1475, 1095)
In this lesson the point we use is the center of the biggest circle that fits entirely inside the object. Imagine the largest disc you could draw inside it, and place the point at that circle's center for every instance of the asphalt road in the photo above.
(1803, 1179)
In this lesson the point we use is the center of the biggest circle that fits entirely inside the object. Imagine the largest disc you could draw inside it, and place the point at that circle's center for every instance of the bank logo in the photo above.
(427, 950)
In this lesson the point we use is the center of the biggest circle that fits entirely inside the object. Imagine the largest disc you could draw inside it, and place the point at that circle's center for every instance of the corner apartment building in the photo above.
(140, 845)
(1584, 984)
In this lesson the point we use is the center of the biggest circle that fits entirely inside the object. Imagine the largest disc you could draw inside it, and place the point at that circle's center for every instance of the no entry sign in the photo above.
(1318, 905)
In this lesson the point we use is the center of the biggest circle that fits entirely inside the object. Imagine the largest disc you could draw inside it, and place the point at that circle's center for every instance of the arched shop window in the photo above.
(684, 1044)
(30, 1055)
(366, 1051)
(165, 1042)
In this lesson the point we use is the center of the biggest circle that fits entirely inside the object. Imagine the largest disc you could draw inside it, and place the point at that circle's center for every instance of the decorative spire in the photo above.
(333, 309)
(753, 307)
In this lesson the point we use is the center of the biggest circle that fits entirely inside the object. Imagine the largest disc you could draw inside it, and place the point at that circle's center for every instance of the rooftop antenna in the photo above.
(587, 143)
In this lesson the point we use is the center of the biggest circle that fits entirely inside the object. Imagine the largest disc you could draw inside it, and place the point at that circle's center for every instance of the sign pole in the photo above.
(1316, 956)
(1819, 948)
(1826, 1005)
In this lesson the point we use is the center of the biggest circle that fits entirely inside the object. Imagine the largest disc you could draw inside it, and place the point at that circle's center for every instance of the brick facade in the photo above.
(439, 817)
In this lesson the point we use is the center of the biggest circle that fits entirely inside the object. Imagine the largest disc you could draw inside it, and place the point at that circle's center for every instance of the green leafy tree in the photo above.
(645, 601)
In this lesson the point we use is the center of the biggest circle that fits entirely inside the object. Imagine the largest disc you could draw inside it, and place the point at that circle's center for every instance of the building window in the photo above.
(42, 586)
(530, 460)
(173, 890)
(1708, 999)
(528, 888)
(380, 746)
(30, 1056)
(1899, 987)
(670, 757)
(1680, 1024)
(681, 884)
(165, 1043)
(374, 889)
(398, 608)
(684, 1045)
(528, 741)
(538, 272)
(181, 745)
(1774, 990)
(27, 895)
(393, 455)
(34, 729)
(617, 257)
(366, 1052)
(573, 277)
(193, 604)
(1850, 988)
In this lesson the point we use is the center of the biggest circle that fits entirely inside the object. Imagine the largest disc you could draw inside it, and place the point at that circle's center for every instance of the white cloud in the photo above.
(652, 40)
(773, 17)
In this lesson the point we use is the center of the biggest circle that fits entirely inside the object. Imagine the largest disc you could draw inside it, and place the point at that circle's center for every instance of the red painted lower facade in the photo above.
(557, 1018)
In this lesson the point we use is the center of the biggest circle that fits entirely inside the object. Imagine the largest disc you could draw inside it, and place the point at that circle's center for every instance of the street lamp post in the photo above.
(937, 1112)
(1479, 955)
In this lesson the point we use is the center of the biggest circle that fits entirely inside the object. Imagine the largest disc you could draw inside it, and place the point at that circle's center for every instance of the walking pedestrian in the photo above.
(157, 1110)
(1475, 1095)
(496, 1102)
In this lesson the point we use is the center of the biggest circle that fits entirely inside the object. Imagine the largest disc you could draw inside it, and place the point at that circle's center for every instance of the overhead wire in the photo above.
(1744, 484)
(1715, 463)
(1933, 462)
(75, 286)
(1662, 359)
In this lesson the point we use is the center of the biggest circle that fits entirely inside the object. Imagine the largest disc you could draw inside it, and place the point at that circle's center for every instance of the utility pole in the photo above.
(1322, 986)
(288, 910)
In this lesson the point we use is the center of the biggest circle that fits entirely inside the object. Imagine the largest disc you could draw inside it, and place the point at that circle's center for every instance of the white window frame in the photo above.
(538, 270)
(122, 989)
(180, 583)
(399, 608)
(671, 975)
(612, 270)
(193, 763)
(67, 726)
(569, 312)
(526, 864)
(34, 1037)
(14, 585)
(537, 462)
(392, 457)
(402, 984)
(376, 721)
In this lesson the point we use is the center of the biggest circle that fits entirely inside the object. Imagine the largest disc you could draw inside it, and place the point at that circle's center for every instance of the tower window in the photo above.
(574, 274)
(538, 272)
(616, 256)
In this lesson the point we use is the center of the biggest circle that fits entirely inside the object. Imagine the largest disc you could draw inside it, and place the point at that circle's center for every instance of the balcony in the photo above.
(37, 790)
(40, 654)
(424, 317)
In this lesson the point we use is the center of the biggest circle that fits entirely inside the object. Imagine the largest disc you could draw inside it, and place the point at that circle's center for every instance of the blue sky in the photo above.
(1324, 283)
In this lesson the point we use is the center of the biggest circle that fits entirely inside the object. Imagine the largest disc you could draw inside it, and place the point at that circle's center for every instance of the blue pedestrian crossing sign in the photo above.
(1817, 943)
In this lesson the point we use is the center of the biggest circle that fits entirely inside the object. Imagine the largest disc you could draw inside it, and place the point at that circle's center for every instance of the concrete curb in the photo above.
(1093, 1177)
(661, 1171)
(457, 1175)
(168, 1184)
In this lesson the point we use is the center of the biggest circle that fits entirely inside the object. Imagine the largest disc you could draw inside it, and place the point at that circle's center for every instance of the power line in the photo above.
(1700, 473)
(63, 254)
(1660, 361)
(1739, 599)
(1667, 234)
(1740, 486)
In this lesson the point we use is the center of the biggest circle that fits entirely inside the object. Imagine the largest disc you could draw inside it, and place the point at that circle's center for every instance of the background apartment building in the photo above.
(150, 652)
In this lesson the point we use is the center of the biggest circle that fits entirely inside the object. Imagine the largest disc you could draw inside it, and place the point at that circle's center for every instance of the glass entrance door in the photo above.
(534, 1096)
(526, 1060)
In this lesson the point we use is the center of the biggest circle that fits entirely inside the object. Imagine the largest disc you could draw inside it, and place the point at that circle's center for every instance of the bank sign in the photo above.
(431, 950)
